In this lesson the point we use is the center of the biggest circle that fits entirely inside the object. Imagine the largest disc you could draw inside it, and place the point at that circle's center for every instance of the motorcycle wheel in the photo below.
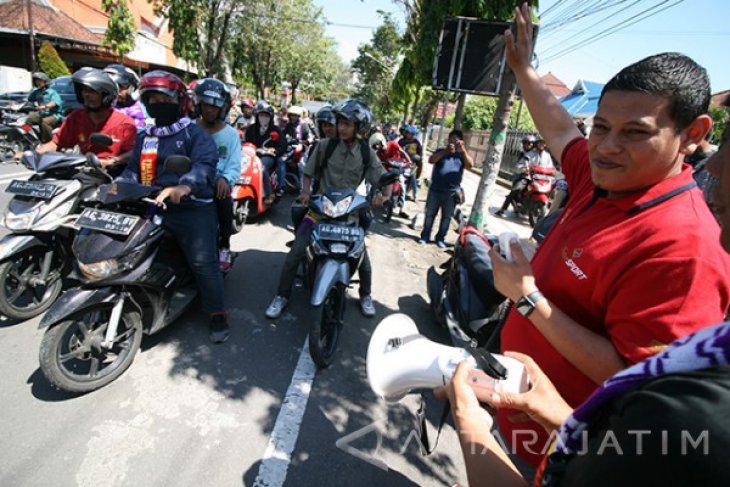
(20, 298)
(388, 210)
(535, 212)
(241, 210)
(325, 332)
(71, 355)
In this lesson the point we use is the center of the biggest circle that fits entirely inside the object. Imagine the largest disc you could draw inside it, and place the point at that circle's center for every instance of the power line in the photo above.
(650, 12)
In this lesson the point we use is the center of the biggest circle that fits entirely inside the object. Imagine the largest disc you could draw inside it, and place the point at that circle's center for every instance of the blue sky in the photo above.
(698, 28)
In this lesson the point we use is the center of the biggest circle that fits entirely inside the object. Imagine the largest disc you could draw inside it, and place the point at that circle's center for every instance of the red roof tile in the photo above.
(556, 87)
(46, 20)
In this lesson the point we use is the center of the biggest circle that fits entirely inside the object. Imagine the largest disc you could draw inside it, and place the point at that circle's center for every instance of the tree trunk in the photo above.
(459, 115)
(497, 138)
(294, 85)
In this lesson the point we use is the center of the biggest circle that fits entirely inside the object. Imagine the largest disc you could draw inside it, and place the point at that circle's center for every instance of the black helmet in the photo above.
(97, 80)
(263, 106)
(213, 92)
(41, 76)
(325, 115)
(356, 112)
(122, 75)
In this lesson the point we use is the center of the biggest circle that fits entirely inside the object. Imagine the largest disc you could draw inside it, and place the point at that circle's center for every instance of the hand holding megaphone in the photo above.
(400, 361)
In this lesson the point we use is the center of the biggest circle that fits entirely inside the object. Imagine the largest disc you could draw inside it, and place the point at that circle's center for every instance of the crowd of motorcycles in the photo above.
(16, 134)
(123, 277)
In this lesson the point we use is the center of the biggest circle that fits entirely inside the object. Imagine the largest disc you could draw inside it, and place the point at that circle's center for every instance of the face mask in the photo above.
(164, 113)
(264, 120)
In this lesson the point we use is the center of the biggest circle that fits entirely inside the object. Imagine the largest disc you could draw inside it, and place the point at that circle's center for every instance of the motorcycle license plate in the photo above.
(107, 221)
(34, 189)
(339, 233)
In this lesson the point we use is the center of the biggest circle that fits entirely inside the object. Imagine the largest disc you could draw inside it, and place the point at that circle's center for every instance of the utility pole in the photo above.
(31, 34)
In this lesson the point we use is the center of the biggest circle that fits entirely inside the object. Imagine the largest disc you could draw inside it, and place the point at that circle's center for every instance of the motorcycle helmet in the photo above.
(123, 75)
(213, 92)
(166, 83)
(295, 110)
(356, 112)
(41, 76)
(411, 129)
(96, 80)
(247, 102)
(263, 107)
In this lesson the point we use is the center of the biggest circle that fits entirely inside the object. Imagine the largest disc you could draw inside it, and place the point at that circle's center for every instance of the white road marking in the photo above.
(275, 463)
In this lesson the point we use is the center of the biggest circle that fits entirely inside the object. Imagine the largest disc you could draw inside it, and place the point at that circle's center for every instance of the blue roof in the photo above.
(583, 100)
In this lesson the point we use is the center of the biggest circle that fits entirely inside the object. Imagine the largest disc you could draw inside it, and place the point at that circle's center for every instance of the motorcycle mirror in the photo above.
(177, 164)
(28, 158)
(100, 140)
(388, 179)
(93, 160)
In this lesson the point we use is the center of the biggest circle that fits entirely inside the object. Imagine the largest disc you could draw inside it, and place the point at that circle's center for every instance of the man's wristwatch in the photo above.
(526, 304)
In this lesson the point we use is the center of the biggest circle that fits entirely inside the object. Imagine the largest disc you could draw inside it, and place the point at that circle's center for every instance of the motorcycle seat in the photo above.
(480, 271)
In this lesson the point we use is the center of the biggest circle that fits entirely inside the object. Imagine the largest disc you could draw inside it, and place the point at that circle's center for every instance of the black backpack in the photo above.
(331, 146)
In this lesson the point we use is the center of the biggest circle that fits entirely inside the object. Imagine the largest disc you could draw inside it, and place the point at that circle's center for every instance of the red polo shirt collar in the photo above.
(654, 195)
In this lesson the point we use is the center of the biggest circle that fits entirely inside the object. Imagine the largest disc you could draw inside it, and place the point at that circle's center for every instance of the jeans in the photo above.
(46, 124)
(268, 162)
(295, 256)
(225, 221)
(195, 229)
(438, 200)
(281, 172)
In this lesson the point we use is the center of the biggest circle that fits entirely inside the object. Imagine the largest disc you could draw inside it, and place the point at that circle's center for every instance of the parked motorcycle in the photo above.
(335, 252)
(463, 297)
(16, 134)
(248, 191)
(36, 256)
(135, 280)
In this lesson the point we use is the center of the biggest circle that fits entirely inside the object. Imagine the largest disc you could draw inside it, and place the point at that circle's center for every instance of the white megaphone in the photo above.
(400, 361)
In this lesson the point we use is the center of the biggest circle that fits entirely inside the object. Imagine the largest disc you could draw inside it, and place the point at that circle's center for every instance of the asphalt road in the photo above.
(248, 412)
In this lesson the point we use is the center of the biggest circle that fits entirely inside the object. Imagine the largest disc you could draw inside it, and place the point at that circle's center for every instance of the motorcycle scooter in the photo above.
(36, 256)
(248, 191)
(135, 280)
(16, 134)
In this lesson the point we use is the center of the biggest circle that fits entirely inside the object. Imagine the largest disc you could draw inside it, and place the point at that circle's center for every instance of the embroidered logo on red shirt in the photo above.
(568, 258)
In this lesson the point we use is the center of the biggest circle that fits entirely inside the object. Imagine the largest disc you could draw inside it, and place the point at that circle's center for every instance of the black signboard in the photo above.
(107, 221)
(33, 189)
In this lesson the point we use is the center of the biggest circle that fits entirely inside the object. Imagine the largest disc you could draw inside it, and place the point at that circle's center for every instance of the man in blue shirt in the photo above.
(448, 170)
(48, 105)
(213, 102)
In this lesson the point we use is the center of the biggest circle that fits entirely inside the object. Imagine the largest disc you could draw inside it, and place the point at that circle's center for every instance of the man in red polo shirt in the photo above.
(96, 91)
(634, 261)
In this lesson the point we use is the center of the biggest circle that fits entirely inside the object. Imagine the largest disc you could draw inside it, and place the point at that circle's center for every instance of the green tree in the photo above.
(201, 29)
(121, 29)
(480, 110)
(50, 62)
(375, 68)
(720, 117)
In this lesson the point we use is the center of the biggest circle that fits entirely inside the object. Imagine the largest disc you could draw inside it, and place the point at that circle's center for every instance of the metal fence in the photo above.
(477, 143)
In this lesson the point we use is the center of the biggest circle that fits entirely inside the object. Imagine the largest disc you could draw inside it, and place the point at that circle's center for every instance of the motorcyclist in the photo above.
(127, 102)
(537, 156)
(191, 215)
(271, 151)
(394, 152)
(96, 91)
(345, 168)
(298, 129)
(413, 147)
(213, 100)
(246, 118)
(377, 140)
(48, 112)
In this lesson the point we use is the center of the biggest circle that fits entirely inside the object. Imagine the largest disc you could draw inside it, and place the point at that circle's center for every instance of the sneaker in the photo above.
(500, 213)
(440, 244)
(276, 307)
(269, 200)
(403, 214)
(366, 306)
(224, 259)
(279, 193)
(219, 331)
(422, 241)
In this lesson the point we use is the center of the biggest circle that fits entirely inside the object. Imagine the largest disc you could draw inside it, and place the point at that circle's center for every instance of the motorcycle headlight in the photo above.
(335, 211)
(99, 270)
(20, 221)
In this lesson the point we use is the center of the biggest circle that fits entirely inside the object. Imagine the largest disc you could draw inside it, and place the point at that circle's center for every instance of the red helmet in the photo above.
(247, 102)
(166, 83)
